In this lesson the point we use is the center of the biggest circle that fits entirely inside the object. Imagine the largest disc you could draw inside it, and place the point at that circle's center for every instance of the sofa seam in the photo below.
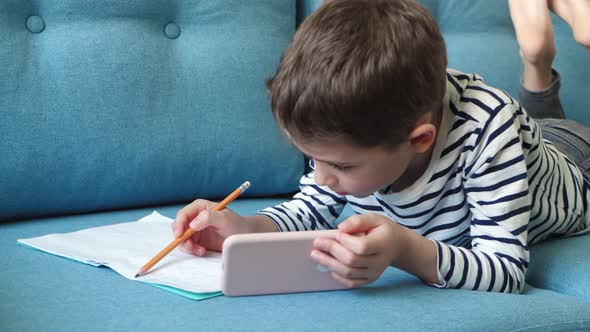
(565, 324)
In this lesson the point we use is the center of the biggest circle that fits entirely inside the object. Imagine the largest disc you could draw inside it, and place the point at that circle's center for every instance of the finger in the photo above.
(191, 247)
(358, 244)
(174, 226)
(350, 283)
(199, 250)
(201, 222)
(339, 252)
(336, 266)
(178, 228)
(187, 214)
(359, 224)
(179, 225)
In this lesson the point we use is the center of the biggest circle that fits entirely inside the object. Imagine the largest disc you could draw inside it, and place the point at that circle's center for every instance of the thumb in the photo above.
(362, 223)
(200, 222)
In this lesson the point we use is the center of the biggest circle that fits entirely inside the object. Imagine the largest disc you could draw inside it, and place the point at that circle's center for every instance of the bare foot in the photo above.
(576, 13)
(534, 33)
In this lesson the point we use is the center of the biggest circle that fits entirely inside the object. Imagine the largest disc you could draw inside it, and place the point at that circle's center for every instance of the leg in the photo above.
(543, 104)
(571, 138)
(534, 33)
(577, 14)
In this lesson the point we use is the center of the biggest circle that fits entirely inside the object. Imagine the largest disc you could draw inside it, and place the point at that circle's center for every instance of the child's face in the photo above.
(352, 170)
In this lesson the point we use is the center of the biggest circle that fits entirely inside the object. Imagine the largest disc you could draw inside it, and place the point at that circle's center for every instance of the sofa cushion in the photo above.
(44, 292)
(562, 265)
(123, 103)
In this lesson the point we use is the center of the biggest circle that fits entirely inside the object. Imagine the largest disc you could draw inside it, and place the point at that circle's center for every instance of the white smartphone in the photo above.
(270, 263)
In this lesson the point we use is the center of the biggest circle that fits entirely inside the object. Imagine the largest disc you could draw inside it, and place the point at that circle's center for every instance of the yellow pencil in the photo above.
(144, 269)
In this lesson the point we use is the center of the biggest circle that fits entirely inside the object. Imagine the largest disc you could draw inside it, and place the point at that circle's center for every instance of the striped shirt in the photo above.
(492, 188)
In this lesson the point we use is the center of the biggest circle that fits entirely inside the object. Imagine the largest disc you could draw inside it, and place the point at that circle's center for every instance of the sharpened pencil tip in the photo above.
(141, 272)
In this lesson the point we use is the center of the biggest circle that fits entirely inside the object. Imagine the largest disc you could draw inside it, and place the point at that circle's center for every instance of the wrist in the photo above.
(417, 255)
(259, 224)
(401, 255)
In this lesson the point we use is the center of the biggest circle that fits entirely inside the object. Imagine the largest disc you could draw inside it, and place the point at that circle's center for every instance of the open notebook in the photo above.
(125, 247)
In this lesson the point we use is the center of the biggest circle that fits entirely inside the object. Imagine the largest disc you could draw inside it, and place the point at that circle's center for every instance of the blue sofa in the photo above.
(112, 109)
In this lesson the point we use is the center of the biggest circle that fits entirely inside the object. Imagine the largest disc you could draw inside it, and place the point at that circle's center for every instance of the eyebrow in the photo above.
(329, 162)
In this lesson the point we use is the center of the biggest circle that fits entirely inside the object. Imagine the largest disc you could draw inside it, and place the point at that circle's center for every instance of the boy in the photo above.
(450, 178)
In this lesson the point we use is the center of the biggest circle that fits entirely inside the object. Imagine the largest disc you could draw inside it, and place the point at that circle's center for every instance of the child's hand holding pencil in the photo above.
(211, 227)
(202, 225)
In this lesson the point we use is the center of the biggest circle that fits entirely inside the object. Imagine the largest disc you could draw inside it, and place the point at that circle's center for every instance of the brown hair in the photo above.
(365, 70)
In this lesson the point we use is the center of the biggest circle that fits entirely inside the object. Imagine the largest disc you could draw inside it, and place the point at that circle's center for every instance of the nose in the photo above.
(323, 177)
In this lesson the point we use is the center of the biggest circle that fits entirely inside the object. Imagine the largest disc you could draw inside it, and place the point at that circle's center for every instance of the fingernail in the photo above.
(203, 215)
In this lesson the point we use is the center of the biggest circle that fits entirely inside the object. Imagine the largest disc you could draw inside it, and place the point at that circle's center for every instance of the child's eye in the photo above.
(341, 168)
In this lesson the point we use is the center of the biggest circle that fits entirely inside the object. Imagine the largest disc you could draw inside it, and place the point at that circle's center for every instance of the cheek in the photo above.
(364, 185)
(373, 181)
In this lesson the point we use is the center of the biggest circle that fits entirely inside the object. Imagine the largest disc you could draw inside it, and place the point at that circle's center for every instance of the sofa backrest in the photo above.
(480, 38)
(115, 104)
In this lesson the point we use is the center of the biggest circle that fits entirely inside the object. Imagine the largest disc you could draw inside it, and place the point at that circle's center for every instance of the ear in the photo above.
(422, 137)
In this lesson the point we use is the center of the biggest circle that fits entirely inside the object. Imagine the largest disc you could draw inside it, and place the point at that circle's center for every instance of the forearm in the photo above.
(492, 270)
(313, 208)
(418, 257)
(260, 224)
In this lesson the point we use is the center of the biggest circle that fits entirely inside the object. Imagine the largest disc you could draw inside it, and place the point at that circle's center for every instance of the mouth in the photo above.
(342, 193)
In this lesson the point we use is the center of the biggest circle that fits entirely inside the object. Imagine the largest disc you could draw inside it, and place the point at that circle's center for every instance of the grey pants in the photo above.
(570, 137)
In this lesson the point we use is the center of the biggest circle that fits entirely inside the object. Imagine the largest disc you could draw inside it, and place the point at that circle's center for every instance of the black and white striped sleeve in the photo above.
(312, 208)
(496, 186)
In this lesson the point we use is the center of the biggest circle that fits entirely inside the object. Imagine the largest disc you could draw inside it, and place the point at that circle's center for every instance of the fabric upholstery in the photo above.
(44, 292)
(562, 265)
(114, 105)
(131, 103)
